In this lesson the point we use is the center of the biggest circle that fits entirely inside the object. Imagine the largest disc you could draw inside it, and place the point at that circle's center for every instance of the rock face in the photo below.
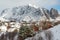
(53, 13)
(19, 13)
(9, 36)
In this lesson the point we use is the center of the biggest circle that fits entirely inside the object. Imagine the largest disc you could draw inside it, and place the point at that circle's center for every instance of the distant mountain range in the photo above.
(28, 13)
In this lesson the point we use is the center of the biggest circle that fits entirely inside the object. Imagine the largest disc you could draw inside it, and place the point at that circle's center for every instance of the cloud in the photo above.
(40, 3)
(37, 2)
(59, 12)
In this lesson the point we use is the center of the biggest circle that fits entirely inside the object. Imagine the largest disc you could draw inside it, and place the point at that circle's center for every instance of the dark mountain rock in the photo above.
(53, 13)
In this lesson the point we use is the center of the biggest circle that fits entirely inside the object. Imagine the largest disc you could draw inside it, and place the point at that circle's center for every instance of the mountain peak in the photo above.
(30, 12)
(53, 13)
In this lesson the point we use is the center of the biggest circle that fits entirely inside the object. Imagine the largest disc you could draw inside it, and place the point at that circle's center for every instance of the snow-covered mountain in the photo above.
(28, 13)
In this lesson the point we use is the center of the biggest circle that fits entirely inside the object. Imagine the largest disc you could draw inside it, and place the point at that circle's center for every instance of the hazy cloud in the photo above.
(40, 3)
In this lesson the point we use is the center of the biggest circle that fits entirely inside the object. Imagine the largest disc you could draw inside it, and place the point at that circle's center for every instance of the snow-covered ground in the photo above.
(56, 32)
(52, 33)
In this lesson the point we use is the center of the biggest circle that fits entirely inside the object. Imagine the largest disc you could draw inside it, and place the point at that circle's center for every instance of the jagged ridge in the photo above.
(28, 12)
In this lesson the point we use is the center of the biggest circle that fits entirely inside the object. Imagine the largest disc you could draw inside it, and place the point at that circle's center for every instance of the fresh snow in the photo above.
(53, 32)
(56, 32)
(58, 18)
(3, 28)
(3, 19)
(33, 6)
(19, 13)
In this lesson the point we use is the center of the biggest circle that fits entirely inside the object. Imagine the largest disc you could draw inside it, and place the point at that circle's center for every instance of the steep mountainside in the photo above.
(28, 12)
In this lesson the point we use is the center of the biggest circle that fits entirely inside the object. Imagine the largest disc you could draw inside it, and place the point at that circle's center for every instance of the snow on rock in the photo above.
(27, 19)
(43, 18)
(50, 34)
(56, 32)
(18, 13)
(2, 19)
(33, 6)
(3, 28)
(44, 35)
(58, 18)
(11, 29)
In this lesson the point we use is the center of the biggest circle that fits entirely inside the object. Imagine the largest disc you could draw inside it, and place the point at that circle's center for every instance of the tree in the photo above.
(25, 31)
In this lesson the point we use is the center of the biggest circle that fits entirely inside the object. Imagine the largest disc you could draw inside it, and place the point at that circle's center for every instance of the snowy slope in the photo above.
(56, 32)
(58, 18)
(50, 34)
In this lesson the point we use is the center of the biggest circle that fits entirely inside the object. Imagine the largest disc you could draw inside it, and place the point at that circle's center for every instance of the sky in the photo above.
(48, 4)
